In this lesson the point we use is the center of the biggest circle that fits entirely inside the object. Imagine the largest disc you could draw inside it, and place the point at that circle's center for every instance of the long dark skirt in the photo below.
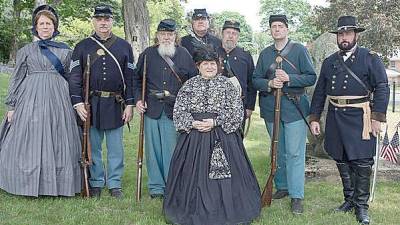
(191, 197)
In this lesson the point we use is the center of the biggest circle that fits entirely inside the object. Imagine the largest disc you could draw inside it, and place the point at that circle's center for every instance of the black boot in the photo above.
(361, 192)
(346, 174)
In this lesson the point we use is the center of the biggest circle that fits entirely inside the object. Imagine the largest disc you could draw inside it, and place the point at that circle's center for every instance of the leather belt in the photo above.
(105, 94)
(350, 101)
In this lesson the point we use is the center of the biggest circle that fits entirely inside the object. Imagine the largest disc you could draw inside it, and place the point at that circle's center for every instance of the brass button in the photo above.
(345, 81)
(344, 87)
(333, 87)
(333, 82)
(104, 78)
(334, 76)
(344, 110)
(347, 76)
(336, 109)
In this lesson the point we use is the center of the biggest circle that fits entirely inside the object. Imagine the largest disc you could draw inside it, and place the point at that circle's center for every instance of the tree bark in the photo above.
(17, 29)
(136, 25)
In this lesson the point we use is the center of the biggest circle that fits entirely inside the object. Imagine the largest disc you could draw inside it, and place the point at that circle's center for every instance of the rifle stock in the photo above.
(139, 162)
(86, 145)
(266, 197)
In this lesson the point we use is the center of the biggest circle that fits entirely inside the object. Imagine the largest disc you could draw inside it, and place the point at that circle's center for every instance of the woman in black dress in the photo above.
(210, 179)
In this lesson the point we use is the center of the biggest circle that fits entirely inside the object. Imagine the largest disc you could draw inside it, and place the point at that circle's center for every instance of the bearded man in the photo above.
(349, 78)
(168, 66)
(236, 63)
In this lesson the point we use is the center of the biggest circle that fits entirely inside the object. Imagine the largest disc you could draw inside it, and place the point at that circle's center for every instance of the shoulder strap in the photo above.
(283, 54)
(94, 56)
(171, 65)
(352, 73)
(113, 57)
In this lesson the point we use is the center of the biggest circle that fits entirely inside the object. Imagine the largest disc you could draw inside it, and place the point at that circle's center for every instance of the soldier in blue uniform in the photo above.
(199, 35)
(297, 73)
(238, 64)
(111, 98)
(349, 78)
(168, 66)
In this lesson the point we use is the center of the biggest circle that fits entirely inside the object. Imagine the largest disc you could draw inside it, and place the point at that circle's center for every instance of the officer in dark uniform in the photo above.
(349, 78)
(111, 96)
(168, 66)
(238, 64)
(199, 35)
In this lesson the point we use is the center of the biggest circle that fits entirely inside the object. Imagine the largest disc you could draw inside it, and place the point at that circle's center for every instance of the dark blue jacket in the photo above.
(104, 76)
(187, 42)
(242, 66)
(301, 77)
(160, 77)
(343, 133)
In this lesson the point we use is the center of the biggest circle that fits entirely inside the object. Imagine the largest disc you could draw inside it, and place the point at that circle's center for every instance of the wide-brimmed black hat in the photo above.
(49, 9)
(167, 25)
(346, 23)
(231, 24)
(199, 13)
(280, 18)
(103, 10)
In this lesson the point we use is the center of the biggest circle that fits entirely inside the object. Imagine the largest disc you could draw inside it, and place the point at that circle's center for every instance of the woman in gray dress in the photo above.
(210, 179)
(40, 143)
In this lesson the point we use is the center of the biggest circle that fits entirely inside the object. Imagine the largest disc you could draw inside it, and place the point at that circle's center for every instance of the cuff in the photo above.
(381, 117)
(313, 117)
(76, 105)
(269, 89)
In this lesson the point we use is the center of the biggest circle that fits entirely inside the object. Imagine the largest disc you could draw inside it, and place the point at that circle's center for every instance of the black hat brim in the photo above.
(356, 29)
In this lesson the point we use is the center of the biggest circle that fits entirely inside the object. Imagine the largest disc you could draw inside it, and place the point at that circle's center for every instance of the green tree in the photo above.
(299, 14)
(164, 9)
(380, 18)
(246, 33)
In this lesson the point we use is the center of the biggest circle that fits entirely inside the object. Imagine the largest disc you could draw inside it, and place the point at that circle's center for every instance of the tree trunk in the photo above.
(16, 32)
(136, 21)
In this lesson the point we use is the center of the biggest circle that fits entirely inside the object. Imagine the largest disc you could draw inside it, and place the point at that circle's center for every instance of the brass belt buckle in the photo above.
(342, 101)
(105, 94)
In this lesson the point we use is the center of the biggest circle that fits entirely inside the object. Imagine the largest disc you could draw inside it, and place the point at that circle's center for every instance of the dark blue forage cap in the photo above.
(199, 13)
(280, 18)
(231, 24)
(167, 25)
(103, 10)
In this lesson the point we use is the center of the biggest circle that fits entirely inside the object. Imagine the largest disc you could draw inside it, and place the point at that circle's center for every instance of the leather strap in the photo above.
(352, 73)
(171, 65)
(283, 54)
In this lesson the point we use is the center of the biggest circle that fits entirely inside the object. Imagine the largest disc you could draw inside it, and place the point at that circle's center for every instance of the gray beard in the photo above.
(166, 50)
(228, 45)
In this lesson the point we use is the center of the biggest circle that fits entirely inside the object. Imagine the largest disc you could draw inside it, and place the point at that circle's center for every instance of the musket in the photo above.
(139, 161)
(377, 154)
(86, 160)
(266, 197)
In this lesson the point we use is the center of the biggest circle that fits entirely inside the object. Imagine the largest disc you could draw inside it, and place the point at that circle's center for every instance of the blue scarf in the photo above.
(55, 61)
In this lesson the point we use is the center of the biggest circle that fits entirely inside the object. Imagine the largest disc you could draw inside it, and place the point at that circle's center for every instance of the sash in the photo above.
(54, 60)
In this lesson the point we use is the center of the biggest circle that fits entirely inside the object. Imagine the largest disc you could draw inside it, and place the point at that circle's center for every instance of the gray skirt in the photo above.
(40, 147)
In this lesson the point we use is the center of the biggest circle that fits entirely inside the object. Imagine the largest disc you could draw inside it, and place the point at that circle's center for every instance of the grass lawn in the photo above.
(321, 196)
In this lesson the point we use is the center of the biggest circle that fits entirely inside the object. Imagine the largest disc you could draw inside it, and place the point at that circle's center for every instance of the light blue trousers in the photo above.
(115, 157)
(160, 140)
(291, 157)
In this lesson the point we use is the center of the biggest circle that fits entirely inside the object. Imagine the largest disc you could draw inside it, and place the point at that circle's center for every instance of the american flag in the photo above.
(395, 141)
(387, 151)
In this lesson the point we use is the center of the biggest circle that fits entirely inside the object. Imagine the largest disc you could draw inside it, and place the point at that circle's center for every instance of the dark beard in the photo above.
(349, 45)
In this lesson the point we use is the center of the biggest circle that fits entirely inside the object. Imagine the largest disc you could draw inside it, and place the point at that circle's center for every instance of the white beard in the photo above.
(166, 49)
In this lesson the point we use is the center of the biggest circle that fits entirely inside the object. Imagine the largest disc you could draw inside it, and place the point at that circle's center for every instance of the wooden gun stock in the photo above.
(266, 197)
(86, 160)
(141, 137)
